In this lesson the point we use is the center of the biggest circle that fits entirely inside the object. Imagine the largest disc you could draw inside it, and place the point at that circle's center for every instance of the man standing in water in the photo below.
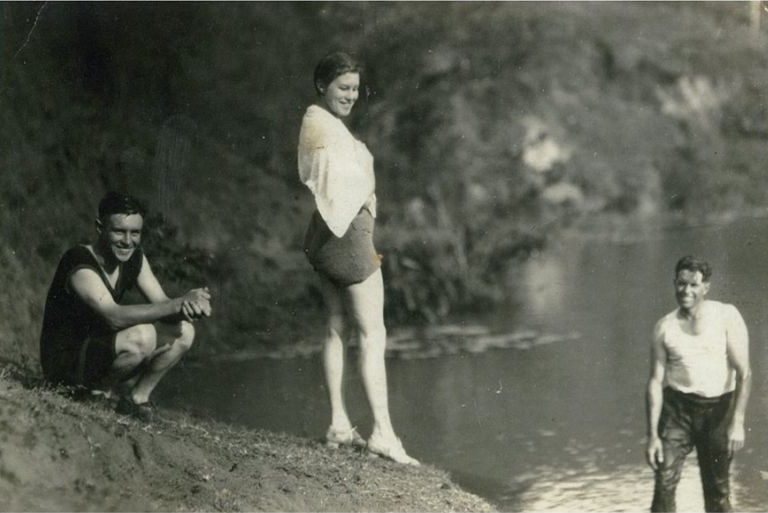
(698, 389)
(90, 339)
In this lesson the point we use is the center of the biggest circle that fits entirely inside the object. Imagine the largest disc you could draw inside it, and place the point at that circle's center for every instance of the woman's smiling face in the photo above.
(342, 93)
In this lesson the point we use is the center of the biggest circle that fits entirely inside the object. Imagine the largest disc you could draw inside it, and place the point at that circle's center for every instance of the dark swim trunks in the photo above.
(346, 260)
(89, 366)
(77, 345)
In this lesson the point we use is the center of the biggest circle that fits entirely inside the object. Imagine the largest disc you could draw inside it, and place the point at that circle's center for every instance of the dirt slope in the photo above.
(57, 454)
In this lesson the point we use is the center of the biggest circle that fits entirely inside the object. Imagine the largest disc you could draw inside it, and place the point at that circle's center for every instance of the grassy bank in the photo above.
(63, 455)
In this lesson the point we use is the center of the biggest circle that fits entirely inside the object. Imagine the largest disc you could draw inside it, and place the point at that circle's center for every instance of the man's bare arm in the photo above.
(195, 303)
(655, 397)
(738, 357)
(89, 286)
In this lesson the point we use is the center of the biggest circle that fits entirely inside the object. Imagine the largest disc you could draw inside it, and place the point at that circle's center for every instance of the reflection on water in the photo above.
(620, 488)
(538, 427)
(623, 488)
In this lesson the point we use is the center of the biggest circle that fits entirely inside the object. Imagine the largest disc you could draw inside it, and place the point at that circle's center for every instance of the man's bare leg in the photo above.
(173, 341)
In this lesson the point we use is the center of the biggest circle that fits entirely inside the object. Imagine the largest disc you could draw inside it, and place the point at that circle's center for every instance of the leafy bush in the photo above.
(492, 125)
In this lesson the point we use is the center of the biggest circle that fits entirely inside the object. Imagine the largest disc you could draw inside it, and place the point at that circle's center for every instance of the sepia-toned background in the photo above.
(540, 166)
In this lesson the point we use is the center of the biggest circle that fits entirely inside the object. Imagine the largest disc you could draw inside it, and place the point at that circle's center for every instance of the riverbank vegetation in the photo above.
(493, 125)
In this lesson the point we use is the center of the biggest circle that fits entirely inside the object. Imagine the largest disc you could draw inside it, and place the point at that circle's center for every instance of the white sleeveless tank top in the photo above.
(698, 364)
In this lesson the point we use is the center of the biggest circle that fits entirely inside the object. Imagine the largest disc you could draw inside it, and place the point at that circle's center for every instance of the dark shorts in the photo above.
(87, 365)
(346, 260)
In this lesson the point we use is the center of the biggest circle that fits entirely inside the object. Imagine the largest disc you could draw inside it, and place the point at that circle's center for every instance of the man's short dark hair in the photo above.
(120, 203)
(694, 264)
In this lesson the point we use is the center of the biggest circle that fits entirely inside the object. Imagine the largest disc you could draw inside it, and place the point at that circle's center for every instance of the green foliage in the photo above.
(178, 265)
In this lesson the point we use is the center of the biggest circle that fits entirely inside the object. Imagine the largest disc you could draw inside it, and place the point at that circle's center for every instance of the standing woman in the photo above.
(338, 169)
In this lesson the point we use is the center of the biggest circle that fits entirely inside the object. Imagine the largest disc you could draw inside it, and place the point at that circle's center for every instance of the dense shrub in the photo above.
(492, 125)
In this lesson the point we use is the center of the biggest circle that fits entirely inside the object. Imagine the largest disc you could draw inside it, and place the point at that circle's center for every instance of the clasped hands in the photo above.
(196, 304)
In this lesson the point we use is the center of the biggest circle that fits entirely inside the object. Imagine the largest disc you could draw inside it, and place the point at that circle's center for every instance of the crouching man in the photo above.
(91, 339)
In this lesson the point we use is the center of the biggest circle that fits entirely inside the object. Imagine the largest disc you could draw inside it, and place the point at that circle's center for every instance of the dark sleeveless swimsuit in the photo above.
(77, 345)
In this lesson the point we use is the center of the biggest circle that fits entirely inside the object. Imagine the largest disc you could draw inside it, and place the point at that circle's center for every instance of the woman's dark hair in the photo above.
(119, 203)
(694, 264)
(333, 65)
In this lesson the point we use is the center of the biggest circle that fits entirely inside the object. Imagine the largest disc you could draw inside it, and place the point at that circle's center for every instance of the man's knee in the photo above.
(717, 491)
(663, 502)
(140, 340)
(187, 336)
(719, 503)
(665, 488)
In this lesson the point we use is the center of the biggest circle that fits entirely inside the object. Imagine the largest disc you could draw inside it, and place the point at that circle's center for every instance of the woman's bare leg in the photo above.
(366, 306)
(333, 355)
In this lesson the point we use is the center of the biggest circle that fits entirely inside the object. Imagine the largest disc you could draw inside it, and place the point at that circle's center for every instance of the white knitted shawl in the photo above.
(336, 167)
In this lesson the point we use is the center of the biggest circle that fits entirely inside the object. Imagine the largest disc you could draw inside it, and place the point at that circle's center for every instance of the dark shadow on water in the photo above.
(495, 491)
